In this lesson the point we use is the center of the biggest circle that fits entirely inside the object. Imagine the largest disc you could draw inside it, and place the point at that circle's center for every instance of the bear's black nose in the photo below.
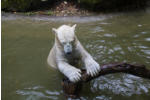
(68, 53)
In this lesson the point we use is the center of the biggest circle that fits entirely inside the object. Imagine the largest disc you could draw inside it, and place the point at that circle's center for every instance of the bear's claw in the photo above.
(74, 74)
(92, 67)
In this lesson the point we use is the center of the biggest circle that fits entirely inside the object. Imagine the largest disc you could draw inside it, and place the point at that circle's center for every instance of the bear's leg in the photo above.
(92, 67)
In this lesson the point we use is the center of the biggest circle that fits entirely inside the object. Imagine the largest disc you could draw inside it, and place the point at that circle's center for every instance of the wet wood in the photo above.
(73, 89)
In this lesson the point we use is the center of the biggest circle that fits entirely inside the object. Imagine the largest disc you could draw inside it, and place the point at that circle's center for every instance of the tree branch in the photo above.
(137, 70)
(72, 89)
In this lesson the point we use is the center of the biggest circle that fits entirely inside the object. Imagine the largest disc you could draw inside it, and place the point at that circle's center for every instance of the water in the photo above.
(26, 42)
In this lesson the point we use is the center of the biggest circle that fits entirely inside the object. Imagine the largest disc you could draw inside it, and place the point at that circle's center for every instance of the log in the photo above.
(72, 90)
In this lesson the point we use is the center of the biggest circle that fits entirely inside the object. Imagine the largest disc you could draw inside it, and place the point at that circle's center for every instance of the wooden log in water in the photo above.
(73, 89)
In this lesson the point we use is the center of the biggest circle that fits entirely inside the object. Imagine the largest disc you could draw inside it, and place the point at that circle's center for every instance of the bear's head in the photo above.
(65, 36)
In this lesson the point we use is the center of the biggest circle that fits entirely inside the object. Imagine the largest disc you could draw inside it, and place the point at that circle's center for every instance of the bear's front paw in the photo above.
(92, 67)
(74, 74)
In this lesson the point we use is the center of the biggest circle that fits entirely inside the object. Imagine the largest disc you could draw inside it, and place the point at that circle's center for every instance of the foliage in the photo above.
(19, 5)
(110, 5)
(97, 5)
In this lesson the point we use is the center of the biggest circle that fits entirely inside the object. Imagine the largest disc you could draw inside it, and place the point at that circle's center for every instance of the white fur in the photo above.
(58, 59)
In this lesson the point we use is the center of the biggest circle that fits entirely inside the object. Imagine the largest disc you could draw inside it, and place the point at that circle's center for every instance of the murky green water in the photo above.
(26, 43)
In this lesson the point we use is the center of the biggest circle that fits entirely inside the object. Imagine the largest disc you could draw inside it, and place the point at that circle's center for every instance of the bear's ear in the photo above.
(54, 30)
(74, 26)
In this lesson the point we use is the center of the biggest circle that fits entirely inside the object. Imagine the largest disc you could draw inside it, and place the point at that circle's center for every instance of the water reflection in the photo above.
(38, 93)
(123, 84)
(109, 35)
(147, 39)
(35, 95)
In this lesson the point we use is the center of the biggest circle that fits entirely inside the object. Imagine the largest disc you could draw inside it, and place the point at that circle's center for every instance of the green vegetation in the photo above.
(94, 5)
(111, 5)
(38, 13)
(49, 13)
(30, 13)
(19, 5)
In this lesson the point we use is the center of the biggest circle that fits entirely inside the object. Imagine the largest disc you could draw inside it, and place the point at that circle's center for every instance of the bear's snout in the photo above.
(68, 48)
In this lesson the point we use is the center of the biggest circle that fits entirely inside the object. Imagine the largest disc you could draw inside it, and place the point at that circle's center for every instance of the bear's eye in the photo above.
(63, 43)
(72, 42)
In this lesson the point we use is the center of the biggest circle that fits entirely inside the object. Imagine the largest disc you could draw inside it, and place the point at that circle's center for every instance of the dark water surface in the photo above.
(26, 43)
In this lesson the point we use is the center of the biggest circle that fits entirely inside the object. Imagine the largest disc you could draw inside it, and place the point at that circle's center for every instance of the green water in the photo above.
(26, 43)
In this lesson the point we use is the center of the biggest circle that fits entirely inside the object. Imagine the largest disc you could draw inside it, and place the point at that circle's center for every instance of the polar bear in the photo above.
(68, 51)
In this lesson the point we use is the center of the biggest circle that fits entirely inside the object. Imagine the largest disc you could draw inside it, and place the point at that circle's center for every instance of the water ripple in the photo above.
(109, 35)
(38, 92)
(34, 95)
(97, 29)
(147, 39)
(147, 52)
(126, 85)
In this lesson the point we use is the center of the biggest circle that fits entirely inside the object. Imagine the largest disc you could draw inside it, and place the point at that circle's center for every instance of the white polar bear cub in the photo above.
(68, 51)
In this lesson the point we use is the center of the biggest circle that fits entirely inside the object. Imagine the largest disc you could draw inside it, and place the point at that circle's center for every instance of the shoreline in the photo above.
(79, 19)
(75, 18)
